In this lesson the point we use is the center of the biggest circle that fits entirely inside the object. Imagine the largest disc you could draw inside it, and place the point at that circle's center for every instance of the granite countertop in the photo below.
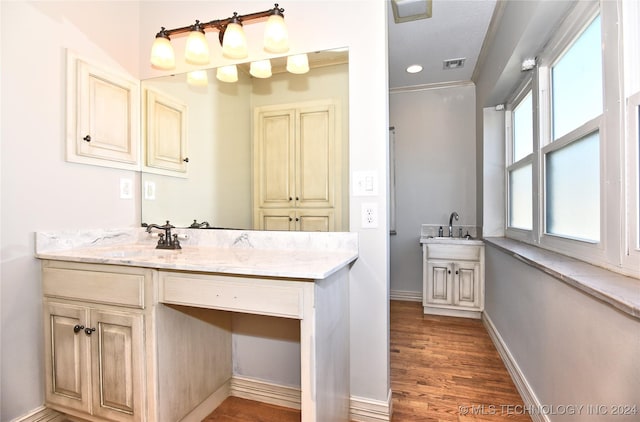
(270, 254)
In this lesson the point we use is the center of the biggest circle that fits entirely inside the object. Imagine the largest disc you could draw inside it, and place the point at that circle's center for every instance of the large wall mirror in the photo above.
(215, 121)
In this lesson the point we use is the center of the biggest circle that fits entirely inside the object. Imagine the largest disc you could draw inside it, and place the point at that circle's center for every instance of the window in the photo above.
(520, 208)
(572, 158)
(572, 169)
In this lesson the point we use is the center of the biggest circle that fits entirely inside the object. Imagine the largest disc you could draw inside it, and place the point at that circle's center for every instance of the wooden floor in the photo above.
(442, 369)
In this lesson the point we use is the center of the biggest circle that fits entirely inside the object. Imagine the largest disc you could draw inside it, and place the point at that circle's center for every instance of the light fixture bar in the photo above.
(221, 24)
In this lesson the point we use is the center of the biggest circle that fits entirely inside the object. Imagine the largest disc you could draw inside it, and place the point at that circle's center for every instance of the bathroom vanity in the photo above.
(134, 333)
(452, 274)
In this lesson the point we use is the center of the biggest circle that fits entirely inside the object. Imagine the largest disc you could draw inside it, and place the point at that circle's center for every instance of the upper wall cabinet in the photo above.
(103, 123)
(165, 134)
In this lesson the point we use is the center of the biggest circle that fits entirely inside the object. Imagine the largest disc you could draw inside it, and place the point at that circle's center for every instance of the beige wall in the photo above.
(40, 191)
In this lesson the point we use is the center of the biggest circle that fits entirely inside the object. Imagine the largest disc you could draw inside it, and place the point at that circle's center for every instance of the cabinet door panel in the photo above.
(117, 372)
(278, 220)
(275, 160)
(439, 283)
(66, 361)
(467, 293)
(166, 135)
(315, 152)
(315, 221)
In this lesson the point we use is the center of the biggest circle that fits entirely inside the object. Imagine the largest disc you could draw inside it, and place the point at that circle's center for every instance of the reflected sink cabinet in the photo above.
(453, 278)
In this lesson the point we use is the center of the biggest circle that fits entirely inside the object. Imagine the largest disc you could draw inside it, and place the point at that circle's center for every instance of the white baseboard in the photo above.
(360, 409)
(405, 295)
(367, 410)
(266, 392)
(42, 414)
(522, 385)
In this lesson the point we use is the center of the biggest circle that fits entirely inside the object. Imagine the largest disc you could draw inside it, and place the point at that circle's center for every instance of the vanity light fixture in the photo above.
(298, 64)
(260, 69)
(230, 35)
(227, 73)
(197, 78)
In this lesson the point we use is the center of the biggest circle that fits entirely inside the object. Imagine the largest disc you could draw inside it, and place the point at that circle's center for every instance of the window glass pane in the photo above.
(523, 128)
(577, 83)
(573, 189)
(520, 199)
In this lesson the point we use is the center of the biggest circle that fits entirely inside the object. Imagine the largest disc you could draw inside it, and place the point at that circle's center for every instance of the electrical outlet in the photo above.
(126, 189)
(370, 215)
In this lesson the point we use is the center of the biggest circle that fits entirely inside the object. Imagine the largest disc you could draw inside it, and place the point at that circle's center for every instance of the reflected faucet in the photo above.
(451, 217)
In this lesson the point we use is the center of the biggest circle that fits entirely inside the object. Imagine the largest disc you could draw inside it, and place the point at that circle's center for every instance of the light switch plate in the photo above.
(126, 188)
(365, 183)
(149, 191)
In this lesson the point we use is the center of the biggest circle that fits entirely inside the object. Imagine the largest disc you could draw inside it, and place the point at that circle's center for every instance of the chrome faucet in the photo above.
(165, 241)
(451, 217)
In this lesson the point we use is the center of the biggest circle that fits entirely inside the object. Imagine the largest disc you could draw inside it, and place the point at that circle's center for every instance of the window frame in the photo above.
(607, 251)
(525, 88)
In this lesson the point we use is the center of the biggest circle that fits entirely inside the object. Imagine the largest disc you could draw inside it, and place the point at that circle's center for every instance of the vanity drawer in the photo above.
(242, 294)
(454, 252)
(99, 286)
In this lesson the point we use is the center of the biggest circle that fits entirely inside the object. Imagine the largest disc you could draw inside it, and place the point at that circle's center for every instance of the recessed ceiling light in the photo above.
(414, 68)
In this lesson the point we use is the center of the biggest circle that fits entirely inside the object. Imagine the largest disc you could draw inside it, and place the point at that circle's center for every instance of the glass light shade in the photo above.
(276, 36)
(162, 55)
(197, 49)
(227, 73)
(234, 42)
(197, 78)
(298, 64)
(260, 69)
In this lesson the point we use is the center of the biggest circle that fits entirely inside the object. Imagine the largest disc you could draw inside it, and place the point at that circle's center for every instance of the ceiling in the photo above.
(456, 29)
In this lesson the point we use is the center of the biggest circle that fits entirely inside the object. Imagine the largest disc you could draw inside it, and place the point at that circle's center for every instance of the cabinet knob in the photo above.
(186, 160)
(448, 271)
(87, 138)
(456, 271)
(297, 219)
(88, 331)
(290, 198)
(77, 328)
(297, 199)
(290, 219)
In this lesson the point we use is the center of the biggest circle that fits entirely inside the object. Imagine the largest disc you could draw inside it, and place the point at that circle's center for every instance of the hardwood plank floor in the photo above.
(440, 368)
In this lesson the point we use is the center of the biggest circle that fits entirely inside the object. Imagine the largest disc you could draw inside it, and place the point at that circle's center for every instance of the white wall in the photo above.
(40, 191)
(435, 171)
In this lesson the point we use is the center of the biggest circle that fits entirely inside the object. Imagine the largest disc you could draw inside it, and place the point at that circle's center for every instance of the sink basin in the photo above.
(451, 240)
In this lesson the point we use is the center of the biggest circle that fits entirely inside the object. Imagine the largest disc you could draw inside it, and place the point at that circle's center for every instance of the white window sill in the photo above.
(619, 291)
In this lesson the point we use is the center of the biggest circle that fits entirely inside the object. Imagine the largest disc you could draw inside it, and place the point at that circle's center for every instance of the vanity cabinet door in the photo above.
(439, 283)
(467, 284)
(102, 116)
(66, 356)
(117, 356)
(297, 157)
(320, 220)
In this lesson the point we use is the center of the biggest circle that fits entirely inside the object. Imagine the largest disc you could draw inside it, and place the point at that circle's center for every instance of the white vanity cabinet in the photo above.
(94, 340)
(453, 277)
